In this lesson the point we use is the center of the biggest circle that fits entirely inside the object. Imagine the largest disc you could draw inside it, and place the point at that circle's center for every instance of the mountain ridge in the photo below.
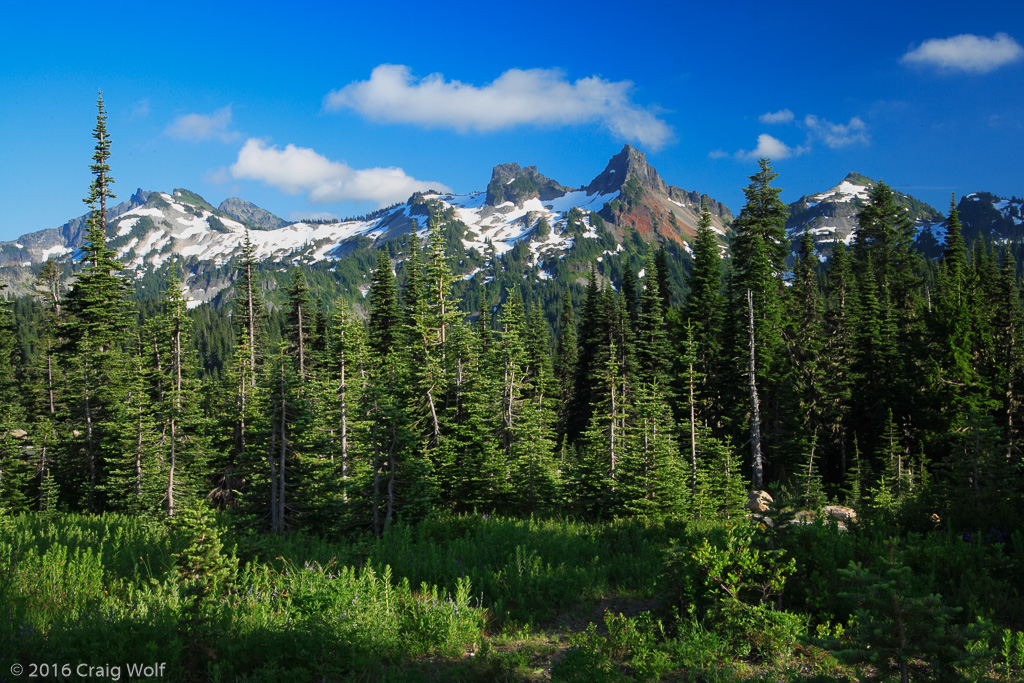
(522, 212)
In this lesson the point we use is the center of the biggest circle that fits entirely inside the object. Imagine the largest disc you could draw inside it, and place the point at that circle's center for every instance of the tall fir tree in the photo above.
(566, 358)
(385, 317)
(891, 361)
(805, 342)
(233, 466)
(15, 474)
(756, 302)
(652, 344)
(96, 334)
(300, 322)
(838, 329)
(704, 312)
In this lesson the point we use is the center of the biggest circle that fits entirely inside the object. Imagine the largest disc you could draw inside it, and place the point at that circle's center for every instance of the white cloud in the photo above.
(199, 127)
(781, 116)
(836, 135)
(517, 97)
(299, 170)
(770, 147)
(767, 146)
(966, 52)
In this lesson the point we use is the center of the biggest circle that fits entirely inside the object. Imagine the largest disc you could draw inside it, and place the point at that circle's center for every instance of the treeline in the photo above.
(884, 380)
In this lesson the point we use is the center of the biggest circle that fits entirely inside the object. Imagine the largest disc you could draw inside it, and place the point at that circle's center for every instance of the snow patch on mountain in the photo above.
(495, 230)
(843, 192)
(54, 251)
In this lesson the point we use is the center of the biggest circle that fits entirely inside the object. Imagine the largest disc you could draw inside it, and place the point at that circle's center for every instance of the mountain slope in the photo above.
(831, 216)
(996, 217)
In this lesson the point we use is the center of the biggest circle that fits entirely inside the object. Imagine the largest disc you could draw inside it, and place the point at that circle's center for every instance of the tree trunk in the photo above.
(170, 470)
(376, 477)
(49, 376)
(693, 433)
(343, 408)
(755, 408)
(90, 450)
(274, 522)
(282, 455)
(138, 459)
(250, 323)
(611, 431)
(302, 344)
(391, 476)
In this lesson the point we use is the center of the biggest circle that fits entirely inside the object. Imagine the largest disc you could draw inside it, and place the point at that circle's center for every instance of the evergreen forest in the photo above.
(566, 484)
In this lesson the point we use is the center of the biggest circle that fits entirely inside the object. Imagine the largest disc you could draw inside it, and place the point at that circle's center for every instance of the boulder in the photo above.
(840, 513)
(803, 517)
(759, 501)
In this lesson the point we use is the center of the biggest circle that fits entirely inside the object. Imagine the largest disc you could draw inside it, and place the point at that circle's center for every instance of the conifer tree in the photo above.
(14, 471)
(414, 288)
(233, 468)
(756, 303)
(136, 482)
(652, 346)
(300, 320)
(284, 429)
(806, 345)
(473, 476)
(48, 382)
(349, 369)
(1007, 319)
(886, 266)
(398, 472)
(704, 311)
(439, 280)
(96, 334)
(185, 428)
(629, 291)
(514, 361)
(539, 415)
(898, 626)
(597, 470)
(9, 395)
(652, 478)
(385, 319)
(837, 357)
(591, 331)
(526, 417)
(565, 367)
(48, 289)
(664, 289)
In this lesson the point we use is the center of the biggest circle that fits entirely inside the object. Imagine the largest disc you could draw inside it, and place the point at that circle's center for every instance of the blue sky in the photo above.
(311, 109)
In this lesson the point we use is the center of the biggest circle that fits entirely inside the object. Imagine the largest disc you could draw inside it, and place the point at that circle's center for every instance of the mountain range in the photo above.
(519, 209)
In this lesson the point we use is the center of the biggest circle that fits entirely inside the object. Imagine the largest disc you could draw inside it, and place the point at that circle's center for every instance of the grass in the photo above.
(453, 598)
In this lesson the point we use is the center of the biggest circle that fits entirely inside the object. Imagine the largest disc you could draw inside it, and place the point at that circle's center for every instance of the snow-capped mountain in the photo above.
(520, 205)
(831, 216)
(521, 210)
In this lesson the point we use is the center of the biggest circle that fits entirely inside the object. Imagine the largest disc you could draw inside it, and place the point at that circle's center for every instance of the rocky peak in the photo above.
(73, 232)
(512, 183)
(251, 215)
(630, 162)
